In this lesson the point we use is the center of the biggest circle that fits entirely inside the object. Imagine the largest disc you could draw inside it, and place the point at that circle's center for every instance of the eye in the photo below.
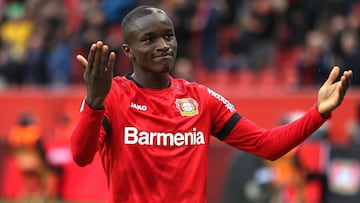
(168, 37)
(148, 39)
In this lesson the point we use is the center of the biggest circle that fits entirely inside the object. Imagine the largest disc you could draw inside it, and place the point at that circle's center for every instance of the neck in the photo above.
(153, 81)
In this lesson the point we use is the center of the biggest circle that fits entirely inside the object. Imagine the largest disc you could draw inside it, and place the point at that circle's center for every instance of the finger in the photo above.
(105, 51)
(91, 56)
(83, 61)
(97, 57)
(346, 79)
(343, 86)
(333, 75)
(111, 63)
(349, 75)
(345, 82)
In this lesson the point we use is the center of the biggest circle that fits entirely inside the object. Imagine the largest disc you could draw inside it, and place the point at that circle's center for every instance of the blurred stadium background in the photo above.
(268, 57)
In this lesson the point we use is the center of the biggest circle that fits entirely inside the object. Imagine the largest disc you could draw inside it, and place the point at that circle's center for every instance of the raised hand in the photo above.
(98, 73)
(332, 93)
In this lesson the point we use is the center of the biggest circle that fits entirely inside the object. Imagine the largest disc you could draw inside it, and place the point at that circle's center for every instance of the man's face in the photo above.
(152, 45)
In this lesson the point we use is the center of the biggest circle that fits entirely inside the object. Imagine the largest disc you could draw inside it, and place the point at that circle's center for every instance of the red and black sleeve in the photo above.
(274, 142)
(86, 135)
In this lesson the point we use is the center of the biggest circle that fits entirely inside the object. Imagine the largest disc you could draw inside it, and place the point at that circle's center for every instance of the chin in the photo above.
(165, 67)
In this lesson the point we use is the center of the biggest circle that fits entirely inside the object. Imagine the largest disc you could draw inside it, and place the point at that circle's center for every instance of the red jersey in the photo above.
(154, 142)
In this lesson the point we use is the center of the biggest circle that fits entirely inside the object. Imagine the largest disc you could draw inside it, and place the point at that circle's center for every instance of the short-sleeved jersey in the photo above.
(154, 142)
(156, 146)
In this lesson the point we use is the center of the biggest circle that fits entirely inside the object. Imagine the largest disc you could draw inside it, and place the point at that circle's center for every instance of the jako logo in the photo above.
(138, 106)
(133, 136)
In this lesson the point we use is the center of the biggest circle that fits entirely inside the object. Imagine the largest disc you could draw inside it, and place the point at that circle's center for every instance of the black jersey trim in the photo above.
(106, 125)
(229, 125)
(129, 77)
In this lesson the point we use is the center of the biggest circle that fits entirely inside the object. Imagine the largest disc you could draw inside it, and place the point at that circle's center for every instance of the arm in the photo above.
(86, 135)
(98, 73)
(274, 143)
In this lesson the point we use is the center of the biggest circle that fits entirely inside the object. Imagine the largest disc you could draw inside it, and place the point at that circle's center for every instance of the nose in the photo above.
(162, 44)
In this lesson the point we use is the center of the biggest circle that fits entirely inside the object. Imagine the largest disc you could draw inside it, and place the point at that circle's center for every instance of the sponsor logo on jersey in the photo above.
(138, 106)
(187, 106)
(133, 136)
(227, 104)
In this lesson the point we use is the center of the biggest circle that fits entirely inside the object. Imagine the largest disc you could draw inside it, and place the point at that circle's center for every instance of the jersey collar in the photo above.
(129, 77)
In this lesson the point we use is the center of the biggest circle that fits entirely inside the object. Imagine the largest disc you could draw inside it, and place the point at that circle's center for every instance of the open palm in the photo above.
(331, 94)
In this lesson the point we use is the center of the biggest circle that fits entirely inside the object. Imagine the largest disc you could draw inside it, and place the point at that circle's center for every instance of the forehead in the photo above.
(156, 21)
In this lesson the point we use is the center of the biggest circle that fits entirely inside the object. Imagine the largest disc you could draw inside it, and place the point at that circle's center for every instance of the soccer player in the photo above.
(152, 131)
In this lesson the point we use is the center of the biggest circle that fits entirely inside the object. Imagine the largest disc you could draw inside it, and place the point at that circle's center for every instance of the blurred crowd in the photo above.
(298, 41)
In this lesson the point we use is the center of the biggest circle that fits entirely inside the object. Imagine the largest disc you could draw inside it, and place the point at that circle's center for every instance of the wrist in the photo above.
(95, 105)
(323, 113)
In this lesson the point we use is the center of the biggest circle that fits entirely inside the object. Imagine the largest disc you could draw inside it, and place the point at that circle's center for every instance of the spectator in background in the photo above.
(349, 53)
(58, 46)
(182, 16)
(58, 156)
(92, 28)
(207, 21)
(295, 19)
(58, 63)
(257, 38)
(315, 60)
(346, 41)
(35, 67)
(196, 25)
(15, 32)
(301, 17)
(27, 148)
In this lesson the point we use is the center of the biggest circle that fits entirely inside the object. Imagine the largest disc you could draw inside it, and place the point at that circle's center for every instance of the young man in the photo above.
(152, 131)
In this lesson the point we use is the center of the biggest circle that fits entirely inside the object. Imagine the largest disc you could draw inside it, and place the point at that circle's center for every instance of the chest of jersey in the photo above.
(163, 119)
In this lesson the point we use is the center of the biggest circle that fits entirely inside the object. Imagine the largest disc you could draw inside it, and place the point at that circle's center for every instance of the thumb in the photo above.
(333, 75)
(83, 61)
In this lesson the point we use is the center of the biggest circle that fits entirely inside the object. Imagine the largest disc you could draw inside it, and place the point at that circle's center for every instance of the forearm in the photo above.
(273, 143)
(85, 135)
(291, 135)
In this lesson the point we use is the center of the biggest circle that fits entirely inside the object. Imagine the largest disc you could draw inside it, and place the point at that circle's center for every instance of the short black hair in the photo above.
(127, 24)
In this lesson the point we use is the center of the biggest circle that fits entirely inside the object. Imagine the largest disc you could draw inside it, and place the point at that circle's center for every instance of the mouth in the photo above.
(165, 56)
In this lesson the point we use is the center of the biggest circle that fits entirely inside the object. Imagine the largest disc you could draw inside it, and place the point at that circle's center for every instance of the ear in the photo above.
(127, 51)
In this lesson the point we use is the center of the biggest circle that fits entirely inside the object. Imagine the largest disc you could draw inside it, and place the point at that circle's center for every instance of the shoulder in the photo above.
(120, 85)
(178, 82)
(120, 79)
(205, 93)
(194, 88)
(120, 82)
